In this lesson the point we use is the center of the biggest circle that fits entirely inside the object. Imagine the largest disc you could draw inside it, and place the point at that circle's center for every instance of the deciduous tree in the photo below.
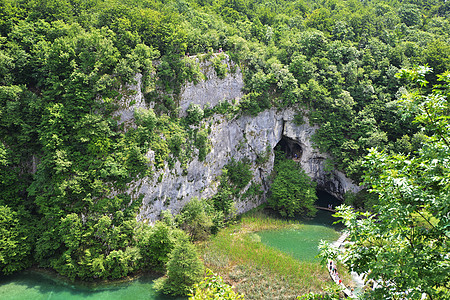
(404, 245)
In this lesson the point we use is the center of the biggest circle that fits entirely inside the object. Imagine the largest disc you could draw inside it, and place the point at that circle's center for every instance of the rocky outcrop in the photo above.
(132, 99)
(212, 90)
(242, 137)
(313, 161)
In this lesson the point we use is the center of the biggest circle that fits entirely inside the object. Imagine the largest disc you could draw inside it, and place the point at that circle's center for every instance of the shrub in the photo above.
(199, 218)
(239, 173)
(195, 220)
(194, 114)
(184, 269)
(14, 247)
(249, 104)
(145, 117)
(156, 243)
(220, 68)
(313, 296)
(202, 143)
(293, 192)
(223, 199)
(213, 288)
(298, 119)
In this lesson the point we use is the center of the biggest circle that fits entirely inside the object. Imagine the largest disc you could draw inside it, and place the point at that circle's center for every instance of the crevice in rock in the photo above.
(264, 184)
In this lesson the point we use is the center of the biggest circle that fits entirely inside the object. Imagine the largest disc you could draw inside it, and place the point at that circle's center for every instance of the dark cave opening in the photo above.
(290, 147)
(324, 199)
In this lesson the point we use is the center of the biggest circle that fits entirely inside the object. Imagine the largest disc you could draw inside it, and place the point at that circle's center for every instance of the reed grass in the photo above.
(259, 271)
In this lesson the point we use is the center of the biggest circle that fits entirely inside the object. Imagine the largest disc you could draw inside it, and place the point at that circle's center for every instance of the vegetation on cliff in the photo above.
(66, 161)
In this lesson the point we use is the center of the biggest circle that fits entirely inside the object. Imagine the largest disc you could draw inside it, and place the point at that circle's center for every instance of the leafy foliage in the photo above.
(199, 219)
(184, 269)
(312, 296)
(66, 161)
(403, 245)
(292, 191)
(223, 200)
(239, 173)
(156, 242)
(213, 287)
(194, 114)
(220, 68)
(15, 246)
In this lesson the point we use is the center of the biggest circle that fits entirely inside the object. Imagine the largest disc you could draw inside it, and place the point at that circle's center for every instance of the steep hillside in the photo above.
(232, 135)
(111, 112)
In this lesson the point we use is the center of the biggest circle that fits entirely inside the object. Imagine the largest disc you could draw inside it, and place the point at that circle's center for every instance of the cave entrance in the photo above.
(324, 199)
(326, 205)
(290, 147)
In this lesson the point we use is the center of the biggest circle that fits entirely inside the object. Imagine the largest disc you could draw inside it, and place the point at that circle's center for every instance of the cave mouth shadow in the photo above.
(290, 147)
(324, 199)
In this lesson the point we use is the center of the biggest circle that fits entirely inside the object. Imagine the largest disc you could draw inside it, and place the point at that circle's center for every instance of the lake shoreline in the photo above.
(258, 271)
(51, 274)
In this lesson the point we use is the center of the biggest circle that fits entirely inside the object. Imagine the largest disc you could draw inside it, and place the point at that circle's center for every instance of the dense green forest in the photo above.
(65, 162)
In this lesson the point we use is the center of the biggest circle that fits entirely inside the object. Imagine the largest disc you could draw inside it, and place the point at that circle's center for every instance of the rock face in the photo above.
(243, 137)
(313, 161)
(213, 90)
(129, 103)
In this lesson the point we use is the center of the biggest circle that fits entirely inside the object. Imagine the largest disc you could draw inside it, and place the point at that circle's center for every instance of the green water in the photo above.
(302, 242)
(31, 285)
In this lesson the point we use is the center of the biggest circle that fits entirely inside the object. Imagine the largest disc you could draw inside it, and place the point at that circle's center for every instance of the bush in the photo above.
(239, 173)
(220, 68)
(223, 199)
(157, 242)
(298, 119)
(250, 104)
(14, 246)
(213, 288)
(194, 114)
(202, 143)
(312, 296)
(184, 269)
(196, 219)
(145, 117)
(292, 192)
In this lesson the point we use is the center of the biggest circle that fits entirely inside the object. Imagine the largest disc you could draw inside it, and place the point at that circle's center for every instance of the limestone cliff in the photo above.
(240, 137)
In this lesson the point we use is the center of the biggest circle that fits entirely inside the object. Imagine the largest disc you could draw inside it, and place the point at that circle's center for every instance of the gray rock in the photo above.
(244, 137)
(213, 90)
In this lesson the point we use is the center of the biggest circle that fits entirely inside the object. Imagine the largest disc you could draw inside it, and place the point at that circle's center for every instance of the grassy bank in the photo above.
(259, 271)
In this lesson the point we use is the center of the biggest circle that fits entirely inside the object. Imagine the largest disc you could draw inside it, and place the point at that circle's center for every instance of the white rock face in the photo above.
(238, 138)
(130, 102)
(213, 90)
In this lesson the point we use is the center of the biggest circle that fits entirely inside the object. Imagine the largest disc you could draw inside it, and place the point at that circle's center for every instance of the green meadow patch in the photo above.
(257, 270)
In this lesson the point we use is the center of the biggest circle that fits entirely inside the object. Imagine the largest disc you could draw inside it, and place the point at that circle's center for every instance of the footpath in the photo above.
(332, 269)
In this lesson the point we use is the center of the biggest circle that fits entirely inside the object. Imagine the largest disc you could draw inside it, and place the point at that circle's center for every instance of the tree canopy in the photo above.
(293, 193)
(403, 246)
(66, 160)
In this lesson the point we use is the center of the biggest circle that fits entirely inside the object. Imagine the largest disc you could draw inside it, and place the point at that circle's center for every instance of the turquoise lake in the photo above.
(301, 243)
(36, 285)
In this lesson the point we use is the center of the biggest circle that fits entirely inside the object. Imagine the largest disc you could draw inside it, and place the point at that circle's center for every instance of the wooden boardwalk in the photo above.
(331, 265)
(325, 208)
